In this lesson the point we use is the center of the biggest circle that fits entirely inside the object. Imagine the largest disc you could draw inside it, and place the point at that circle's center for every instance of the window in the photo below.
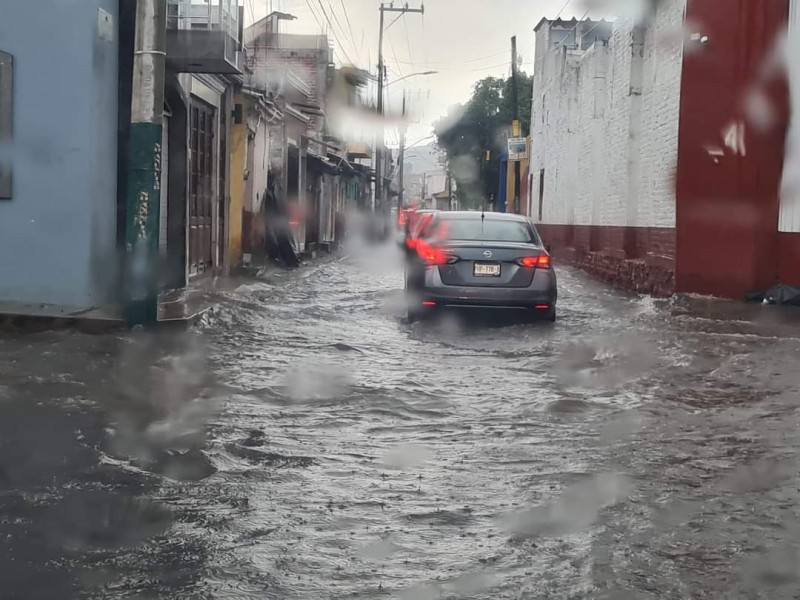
(6, 97)
(485, 230)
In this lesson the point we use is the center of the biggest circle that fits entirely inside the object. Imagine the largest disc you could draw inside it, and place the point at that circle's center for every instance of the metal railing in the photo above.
(204, 15)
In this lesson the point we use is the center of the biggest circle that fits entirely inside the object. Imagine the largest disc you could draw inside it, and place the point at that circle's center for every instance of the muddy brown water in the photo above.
(304, 441)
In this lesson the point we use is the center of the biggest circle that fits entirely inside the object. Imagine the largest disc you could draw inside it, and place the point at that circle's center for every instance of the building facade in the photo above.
(66, 156)
(58, 215)
(649, 167)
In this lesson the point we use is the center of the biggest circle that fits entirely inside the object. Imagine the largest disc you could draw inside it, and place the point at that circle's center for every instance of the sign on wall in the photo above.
(6, 106)
(517, 149)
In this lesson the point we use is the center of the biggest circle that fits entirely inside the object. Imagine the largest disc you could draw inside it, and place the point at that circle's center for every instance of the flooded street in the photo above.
(304, 441)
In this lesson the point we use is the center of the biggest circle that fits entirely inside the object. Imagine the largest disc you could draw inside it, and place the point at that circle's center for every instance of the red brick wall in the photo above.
(640, 259)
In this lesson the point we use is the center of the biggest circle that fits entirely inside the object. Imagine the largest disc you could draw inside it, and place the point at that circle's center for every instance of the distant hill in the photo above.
(422, 159)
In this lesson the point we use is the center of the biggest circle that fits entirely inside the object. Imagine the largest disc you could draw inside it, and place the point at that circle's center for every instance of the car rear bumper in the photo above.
(542, 291)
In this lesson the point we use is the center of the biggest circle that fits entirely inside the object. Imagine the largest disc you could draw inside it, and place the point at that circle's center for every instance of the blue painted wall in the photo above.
(58, 233)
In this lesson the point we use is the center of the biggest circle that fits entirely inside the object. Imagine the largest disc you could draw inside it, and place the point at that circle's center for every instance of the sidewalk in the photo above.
(175, 308)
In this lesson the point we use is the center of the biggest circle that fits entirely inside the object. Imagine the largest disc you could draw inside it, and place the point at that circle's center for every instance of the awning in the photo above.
(341, 162)
(322, 165)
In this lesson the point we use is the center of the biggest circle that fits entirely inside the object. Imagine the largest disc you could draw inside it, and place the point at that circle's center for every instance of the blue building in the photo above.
(65, 98)
(58, 221)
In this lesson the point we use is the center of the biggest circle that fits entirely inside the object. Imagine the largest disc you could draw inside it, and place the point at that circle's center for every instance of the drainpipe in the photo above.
(144, 166)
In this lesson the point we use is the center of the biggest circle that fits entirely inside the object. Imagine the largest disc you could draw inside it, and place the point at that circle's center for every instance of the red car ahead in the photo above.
(416, 227)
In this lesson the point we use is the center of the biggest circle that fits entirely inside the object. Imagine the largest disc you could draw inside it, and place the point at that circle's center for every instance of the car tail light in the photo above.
(535, 262)
(434, 256)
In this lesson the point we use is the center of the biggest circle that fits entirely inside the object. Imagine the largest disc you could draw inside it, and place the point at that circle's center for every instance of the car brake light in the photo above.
(429, 303)
(411, 243)
(535, 262)
(434, 256)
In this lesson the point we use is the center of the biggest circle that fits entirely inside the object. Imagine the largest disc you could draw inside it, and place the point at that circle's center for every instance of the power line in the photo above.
(394, 55)
(252, 10)
(562, 9)
(321, 26)
(408, 40)
(333, 31)
(571, 31)
(459, 61)
(504, 64)
(341, 28)
(349, 25)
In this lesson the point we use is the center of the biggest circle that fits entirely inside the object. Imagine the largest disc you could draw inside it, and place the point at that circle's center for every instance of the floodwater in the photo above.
(304, 441)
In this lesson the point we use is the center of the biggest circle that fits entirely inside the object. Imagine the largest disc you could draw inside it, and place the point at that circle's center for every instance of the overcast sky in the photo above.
(464, 40)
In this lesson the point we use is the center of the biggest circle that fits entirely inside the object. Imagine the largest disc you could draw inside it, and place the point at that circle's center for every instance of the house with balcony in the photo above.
(64, 159)
(205, 63)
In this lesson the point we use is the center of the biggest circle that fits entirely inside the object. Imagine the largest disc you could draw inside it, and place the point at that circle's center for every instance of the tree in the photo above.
(468, 130)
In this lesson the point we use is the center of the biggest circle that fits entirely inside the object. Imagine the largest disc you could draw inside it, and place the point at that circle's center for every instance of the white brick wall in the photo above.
(790, 191)
(584, 132)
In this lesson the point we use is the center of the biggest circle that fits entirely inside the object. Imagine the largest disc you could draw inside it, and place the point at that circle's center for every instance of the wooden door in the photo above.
(201, 193)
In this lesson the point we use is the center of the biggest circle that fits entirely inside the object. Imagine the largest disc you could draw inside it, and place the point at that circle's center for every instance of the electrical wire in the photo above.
(252, 10)
(349, 26)
(335, 35)
(342, 30)
(562, 9)
(321, 26)
(394, 55)
(571, 31)
(408, 39)
(459, 61)
(504, 64)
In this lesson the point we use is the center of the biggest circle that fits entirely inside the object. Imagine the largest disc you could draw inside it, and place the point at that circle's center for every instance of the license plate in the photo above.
(486, 270)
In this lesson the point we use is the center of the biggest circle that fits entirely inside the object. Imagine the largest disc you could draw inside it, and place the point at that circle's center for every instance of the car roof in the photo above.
(494, 216)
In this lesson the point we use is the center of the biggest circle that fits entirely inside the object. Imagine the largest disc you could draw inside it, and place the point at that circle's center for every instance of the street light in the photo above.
(411, 75)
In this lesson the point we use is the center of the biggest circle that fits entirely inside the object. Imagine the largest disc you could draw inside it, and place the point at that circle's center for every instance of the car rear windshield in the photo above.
(486, 230)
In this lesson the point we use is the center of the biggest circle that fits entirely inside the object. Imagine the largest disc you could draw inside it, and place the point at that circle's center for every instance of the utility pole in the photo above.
(144, 167)
(449, 190)
(402, 159)
(379, 186)
(515, 127)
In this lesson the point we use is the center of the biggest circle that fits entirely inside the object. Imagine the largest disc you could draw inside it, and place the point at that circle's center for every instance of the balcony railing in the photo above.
(204, 36)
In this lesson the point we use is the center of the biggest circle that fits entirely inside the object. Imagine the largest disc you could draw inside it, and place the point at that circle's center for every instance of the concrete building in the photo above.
(250, 151)
(647, 167)
(58, 215)
(64, 181)
(204, 66)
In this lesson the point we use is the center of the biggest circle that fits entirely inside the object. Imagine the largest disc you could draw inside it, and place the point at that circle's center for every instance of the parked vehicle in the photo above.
(481, 260)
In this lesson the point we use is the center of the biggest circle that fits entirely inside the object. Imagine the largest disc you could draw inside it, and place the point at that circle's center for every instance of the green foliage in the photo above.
(468, 130)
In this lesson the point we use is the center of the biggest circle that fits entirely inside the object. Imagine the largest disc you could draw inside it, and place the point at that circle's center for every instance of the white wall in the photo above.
(435, 183)
(609, 149)
(790, 193)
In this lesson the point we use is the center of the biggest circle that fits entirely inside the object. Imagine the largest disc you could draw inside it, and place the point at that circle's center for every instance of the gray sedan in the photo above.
(481, 260)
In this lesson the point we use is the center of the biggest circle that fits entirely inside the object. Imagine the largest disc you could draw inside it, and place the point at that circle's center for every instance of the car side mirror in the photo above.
(549, 248)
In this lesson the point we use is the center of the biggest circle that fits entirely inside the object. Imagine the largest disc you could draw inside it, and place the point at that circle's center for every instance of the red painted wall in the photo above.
(641, 259)
(727, 205)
